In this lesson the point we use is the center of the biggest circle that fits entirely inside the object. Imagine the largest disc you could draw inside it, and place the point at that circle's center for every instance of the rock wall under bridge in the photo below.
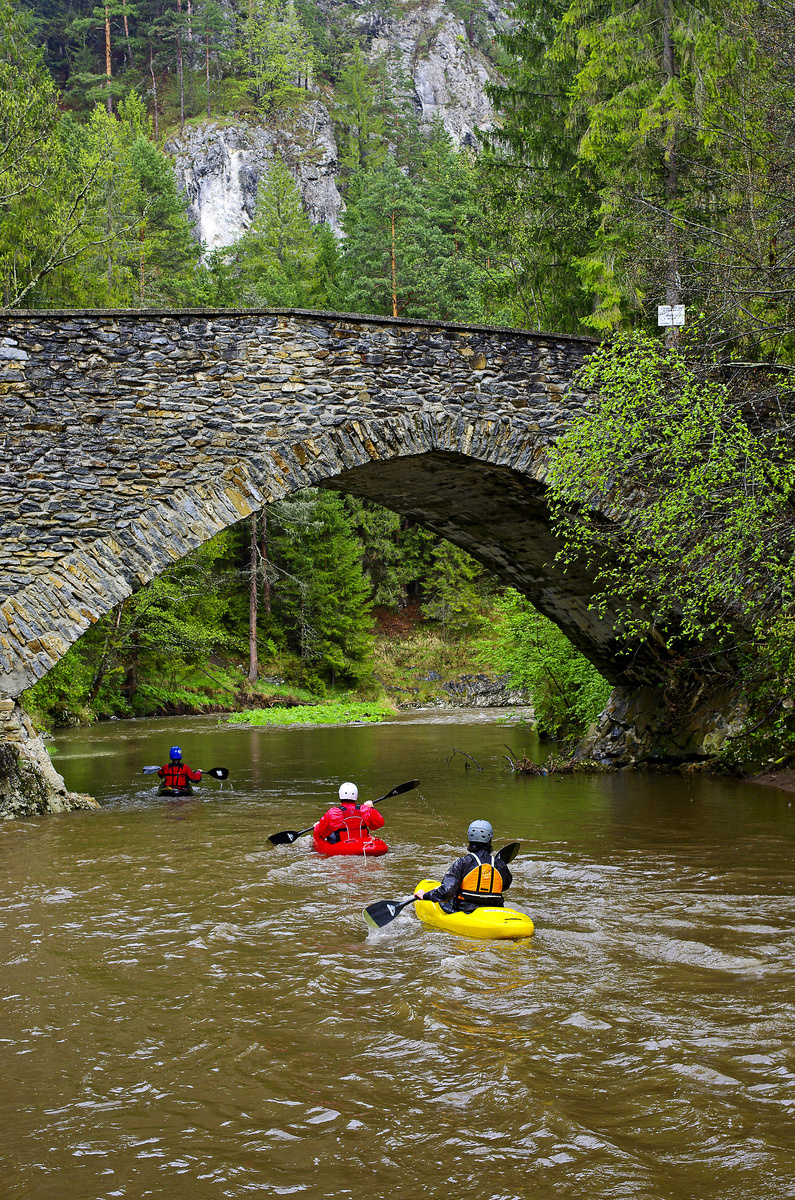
(130, 438)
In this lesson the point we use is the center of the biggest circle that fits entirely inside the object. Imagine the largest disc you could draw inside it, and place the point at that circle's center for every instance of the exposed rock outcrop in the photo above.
(448, 72)
(29, 784)
(481, 691)
(219, 165)
(637, 726)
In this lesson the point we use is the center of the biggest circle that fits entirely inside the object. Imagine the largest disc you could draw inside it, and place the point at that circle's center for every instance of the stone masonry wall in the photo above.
(129, 438)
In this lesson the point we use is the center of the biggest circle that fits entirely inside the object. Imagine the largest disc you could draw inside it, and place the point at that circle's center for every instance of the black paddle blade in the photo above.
(218, 772)
(509, 852)
(288, 836)
(383, 912)
(399, 790)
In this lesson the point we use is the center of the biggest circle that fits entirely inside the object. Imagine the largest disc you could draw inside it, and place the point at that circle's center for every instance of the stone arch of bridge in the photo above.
(477, 481)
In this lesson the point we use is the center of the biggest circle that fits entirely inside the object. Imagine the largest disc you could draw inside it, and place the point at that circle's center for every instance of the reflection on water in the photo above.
(189, 1014)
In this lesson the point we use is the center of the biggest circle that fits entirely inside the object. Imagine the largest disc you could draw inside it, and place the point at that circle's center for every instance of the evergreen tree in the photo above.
(275, 52)
(276, 258)
(399, 124)
(405, 254)
(454, 598)
(362, 140)
(620, 111)
(320, 589)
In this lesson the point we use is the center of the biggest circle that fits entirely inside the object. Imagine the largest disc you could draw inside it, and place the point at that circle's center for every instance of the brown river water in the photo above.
(189, 1014)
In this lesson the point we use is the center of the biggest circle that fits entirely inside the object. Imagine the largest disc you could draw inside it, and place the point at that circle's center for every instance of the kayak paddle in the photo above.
(288, 836)
(383, 912)
(214, 772)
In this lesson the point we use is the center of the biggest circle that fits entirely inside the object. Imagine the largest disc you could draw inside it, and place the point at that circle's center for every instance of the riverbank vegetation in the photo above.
(339, 712)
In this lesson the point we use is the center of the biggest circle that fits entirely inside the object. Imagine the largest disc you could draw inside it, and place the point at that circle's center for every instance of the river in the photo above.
(189, 1014)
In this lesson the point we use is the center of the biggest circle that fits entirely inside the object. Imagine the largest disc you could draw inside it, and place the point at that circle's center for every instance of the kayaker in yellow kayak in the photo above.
(477, 879)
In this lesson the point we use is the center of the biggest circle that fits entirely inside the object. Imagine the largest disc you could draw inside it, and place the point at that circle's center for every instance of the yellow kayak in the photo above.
(482, 923)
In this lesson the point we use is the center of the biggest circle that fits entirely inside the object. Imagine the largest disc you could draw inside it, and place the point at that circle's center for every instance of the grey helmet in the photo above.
(349, 792)
(480, 832)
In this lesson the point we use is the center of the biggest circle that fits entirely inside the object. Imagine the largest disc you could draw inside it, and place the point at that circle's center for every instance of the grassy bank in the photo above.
(338, 712)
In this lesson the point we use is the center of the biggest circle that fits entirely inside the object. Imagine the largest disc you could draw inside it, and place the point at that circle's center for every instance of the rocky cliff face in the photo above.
(449, 72)
(219, 165)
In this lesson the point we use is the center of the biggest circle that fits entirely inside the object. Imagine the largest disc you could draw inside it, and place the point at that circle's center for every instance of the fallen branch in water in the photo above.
(523, 765)
(465, 755)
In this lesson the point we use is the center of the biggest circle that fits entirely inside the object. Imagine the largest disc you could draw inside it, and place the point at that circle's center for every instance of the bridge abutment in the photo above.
(639, 725)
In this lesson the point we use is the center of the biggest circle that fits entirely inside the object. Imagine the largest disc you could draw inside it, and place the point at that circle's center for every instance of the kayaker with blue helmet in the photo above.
(476, 880)
(347, 820)
(177, 776)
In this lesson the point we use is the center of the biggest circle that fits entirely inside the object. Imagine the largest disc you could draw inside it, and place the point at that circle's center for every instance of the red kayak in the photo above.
(369, 847)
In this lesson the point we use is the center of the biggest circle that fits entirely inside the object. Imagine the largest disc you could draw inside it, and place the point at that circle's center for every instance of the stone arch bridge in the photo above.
(130, 438)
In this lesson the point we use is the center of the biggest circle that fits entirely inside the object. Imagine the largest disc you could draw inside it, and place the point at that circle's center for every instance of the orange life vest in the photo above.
(482, 885)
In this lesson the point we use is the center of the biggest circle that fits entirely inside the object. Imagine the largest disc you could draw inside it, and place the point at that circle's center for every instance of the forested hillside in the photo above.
(555, 166)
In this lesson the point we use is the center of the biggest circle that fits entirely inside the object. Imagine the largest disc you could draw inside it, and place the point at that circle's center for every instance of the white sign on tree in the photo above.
(670, 314)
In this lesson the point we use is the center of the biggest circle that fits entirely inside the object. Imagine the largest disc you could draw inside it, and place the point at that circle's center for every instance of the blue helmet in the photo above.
(175, 753)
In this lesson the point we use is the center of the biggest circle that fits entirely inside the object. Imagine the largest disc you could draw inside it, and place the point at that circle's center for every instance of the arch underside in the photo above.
(501, 518)
(487, 497)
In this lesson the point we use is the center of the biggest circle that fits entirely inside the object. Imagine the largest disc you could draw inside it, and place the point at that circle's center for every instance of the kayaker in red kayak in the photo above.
(177, 776)
(476, 880)
(346, 821)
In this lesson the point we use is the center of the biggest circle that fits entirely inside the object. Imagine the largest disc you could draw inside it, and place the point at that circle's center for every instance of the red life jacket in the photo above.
(177, 775)
(353, 825)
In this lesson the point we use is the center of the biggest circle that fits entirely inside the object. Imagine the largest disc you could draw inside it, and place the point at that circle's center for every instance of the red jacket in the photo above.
(177, 775)
(350, 821)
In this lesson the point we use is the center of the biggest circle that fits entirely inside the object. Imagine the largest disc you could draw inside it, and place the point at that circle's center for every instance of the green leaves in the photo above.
(679, 496)
(568, 693)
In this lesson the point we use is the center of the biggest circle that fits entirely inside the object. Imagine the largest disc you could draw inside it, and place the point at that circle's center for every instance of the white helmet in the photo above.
(349, 791)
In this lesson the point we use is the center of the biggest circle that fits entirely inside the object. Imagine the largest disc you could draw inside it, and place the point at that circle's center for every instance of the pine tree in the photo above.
(276, 258)
(362, 140)
(320, 590)
(405, 252)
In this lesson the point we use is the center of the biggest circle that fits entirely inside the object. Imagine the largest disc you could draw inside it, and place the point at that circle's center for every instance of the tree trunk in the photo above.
(672, 277)
(207, 67)
(108, 72)
(395, 312)
(263, 550)
(154, 92)
(180, 70)
(127, 32)
(102, 666)
(142, 268)
(253, 604)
